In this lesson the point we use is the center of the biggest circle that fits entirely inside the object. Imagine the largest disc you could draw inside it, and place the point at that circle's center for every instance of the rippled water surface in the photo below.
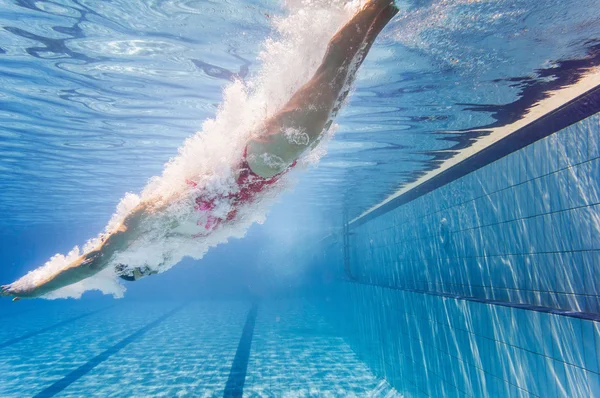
(95, 96)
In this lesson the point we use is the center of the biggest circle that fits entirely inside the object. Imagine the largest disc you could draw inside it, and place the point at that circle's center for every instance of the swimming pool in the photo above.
(444, 241)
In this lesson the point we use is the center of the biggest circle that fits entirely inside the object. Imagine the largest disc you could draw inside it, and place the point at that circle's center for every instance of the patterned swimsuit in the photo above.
(250, 185)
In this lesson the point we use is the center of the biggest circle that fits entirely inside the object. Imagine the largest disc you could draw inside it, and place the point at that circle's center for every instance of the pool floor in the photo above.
(172, 349)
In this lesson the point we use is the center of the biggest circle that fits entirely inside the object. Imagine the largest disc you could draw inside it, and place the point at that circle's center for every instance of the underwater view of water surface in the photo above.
(300, 198)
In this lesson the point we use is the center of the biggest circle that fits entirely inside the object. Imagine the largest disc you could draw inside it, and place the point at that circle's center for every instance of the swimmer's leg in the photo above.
(311, 109)
(376, 27)
(346, 52)
(350, 39)
(384, 17)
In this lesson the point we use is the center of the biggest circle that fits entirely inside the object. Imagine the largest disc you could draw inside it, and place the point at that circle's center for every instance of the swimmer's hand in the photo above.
(11, 291)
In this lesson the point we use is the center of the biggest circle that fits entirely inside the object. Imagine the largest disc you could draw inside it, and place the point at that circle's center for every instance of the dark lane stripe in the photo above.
(56, 325)
(81, 371)
(237, 375)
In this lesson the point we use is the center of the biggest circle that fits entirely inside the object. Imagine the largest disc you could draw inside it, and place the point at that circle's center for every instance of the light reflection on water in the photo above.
(96, 96)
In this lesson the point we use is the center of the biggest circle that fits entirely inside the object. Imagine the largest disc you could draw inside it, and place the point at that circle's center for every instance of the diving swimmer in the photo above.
(265, 159)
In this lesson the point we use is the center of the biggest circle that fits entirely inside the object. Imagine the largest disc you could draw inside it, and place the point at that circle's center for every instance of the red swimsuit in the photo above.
(249, 183)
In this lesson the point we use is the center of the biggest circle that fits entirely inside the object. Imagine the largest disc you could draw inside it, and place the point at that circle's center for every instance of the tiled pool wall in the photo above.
(524, 229)
(428, 345)
(440, 296)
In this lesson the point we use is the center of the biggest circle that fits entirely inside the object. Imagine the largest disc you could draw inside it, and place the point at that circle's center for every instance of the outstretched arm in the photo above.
(86, 265)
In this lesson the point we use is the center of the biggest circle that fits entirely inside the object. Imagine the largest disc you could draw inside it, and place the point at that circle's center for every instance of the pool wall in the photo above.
(524, 229)
(486, 286)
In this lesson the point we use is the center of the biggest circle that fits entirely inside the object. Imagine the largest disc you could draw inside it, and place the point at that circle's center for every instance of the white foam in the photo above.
(289, 58)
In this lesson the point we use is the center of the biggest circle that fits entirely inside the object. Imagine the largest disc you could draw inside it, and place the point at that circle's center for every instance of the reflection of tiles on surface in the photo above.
(189, 354)
(29, 366)
(295, 353)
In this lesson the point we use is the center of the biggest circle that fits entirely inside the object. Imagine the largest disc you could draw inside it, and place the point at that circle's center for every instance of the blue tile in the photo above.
(531, 164)
(507, 205)
(581, 228)
(561, 221)
(511, 166)
(558, 379)
(536, 232)
(532, 326)
(545, 161)
(562, 143)
(558, 189)
(567, 338)
(538, 196)
(581, 383)
(593, 129)
(577, 148)
(588, 179)
(590, 263)
(554, 153)
(588, 332)
(521, 194)
(536, 375)
(478, 182)
(502, 173)
(573, 272)
(594, 225)
(577, 186)
(525, 271)
(593, 383)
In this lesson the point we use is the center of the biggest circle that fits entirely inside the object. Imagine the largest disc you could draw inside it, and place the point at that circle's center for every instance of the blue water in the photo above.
(164, 348)
(96, 96)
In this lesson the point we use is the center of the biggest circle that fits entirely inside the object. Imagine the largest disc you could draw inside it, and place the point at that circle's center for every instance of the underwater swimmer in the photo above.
(296, 128)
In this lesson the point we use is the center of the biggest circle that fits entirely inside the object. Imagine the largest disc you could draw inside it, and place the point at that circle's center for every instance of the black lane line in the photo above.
(237, 376)
(56, 325)
(81, 371)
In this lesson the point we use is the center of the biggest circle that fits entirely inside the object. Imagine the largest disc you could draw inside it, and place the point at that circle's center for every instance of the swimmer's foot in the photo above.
(15, 292)
(383, 3)
(6, 291)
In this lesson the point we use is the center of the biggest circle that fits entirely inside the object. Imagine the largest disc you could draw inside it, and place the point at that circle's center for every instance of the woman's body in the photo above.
(297, 127)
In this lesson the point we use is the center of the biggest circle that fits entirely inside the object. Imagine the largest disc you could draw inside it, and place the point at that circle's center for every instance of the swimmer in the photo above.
(310, 112)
